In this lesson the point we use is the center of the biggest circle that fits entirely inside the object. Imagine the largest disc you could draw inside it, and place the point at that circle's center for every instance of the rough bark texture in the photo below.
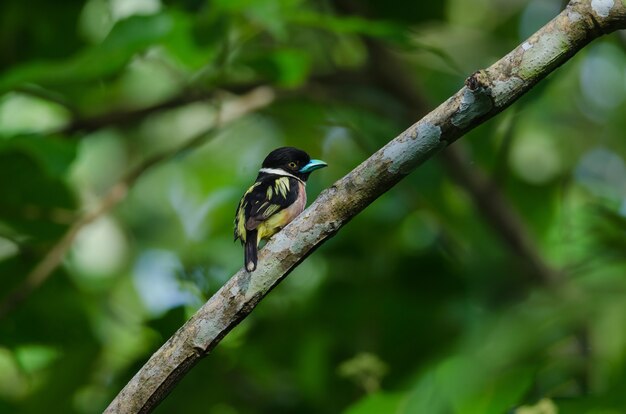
(487, 92)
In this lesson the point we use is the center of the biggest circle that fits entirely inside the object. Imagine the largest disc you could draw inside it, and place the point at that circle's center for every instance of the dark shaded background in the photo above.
(427, 302)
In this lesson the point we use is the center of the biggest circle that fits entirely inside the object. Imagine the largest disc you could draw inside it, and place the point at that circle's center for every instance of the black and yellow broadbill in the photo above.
(277, 196)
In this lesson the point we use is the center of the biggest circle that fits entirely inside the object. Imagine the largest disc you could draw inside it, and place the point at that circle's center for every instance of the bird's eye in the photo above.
(292, 165)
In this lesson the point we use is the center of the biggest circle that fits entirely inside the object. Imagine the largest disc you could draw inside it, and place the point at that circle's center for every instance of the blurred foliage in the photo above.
(417, 306)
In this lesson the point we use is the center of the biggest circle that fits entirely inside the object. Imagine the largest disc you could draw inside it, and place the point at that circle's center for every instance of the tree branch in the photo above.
(487, 92)
(186, 97)
(499, 214)
(229, 111)
(491, 204)
(117, 118)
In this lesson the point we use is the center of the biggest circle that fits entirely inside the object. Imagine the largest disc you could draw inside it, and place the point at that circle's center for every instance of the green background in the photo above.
(418, 305)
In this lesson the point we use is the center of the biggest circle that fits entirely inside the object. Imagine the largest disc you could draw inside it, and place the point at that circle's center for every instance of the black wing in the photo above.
(274, 194)
(266, 197)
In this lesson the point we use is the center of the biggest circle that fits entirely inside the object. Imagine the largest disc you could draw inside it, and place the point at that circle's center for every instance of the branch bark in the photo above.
(491, 203)
(487, 92)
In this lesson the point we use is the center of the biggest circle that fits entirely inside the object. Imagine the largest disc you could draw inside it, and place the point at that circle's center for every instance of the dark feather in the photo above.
(250, 254)
(259, 207)
(266, 197)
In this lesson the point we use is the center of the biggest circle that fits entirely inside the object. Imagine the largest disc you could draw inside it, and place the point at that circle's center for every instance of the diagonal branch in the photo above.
(487, 92)
(491, 203)
(499, 214)
(229, 111)
(121, 118)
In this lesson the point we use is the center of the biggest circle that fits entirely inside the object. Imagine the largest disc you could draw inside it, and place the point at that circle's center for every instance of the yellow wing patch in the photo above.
(240, 219)
(252, 187)
(281, 186)
(241, 222)
(271, 209)
(272, 212)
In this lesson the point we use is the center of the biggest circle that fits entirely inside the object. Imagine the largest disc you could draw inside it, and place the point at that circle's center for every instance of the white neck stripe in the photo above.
(278, 171)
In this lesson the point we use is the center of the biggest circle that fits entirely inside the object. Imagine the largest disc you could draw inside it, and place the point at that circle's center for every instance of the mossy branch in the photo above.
(486, 93)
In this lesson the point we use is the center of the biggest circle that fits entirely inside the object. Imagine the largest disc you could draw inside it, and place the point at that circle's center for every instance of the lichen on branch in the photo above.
(486, 93)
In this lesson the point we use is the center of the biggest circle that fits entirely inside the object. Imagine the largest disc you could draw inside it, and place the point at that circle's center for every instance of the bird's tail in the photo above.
(251, 250)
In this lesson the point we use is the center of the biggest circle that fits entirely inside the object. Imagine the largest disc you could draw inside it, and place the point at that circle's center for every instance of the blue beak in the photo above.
(312, 166)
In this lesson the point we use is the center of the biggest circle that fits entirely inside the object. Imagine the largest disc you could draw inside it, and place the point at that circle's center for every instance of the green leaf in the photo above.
(464, 386)
(54, 154)
(270, 15)
(182, 45)
(545, 406)
(35, 200)
(13, 384)
(351, 24)
(499, 395)
(34, 357)
(377, 403)
(61, 343)
(127, 38)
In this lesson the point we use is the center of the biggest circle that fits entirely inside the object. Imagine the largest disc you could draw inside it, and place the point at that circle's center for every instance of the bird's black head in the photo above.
(293, 161)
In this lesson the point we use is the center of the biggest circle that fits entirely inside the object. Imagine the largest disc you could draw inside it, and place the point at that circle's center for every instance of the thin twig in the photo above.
(50, 96)
(497, 211)
(122, 118)
(487, 93)
(229, 111)
(391, 76)
(119, 118)
(126, 117)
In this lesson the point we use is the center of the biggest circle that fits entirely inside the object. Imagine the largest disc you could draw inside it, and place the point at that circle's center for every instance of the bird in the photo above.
(276, 198)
